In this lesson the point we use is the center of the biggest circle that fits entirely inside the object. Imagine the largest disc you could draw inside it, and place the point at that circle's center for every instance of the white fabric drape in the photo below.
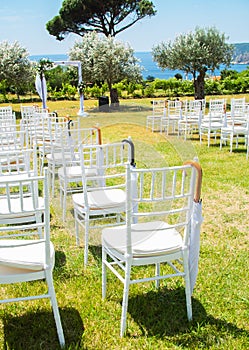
(41, 88)
(194, 248)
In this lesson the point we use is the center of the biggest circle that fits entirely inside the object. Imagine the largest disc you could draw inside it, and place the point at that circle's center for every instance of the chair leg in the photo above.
(237, 141)
(86, 238)
(125, 298)
(53, 181)
(168, 125)
(64, 201)
(61, 195)
(55, 308)
(187, 286)
(221, 140)
(185, 133)
(38, 218)
(231, 143)
(157, 282)
(209, 139)
(247, 147)
(104, 257)
(200, 133)
(76, 227)
(41, 164)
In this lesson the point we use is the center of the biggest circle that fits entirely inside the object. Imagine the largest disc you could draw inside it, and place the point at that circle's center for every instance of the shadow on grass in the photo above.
(129, 107)
(240, 150)
(96, 251)
(38, 331)
(60, 259)
(60, 269)
(163, 314)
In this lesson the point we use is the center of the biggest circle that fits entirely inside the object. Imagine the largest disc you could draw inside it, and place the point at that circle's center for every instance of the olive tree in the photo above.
(15, 66)
(108, 17)
(195, 53)
(104, 59)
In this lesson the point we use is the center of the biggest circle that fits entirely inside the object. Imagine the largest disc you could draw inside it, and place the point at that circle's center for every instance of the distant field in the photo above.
(71, 108)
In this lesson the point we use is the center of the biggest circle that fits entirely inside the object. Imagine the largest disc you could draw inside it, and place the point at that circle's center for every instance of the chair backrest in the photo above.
(216, 112)
(69, 136)
(174, 108)
(238, 101)
(36, 124)
(27, 111)
(31, 233)
(197, 105)
(203, 104)
(6, 111)
(238, 108)
(217, 107)
(53, 128)
(86, 136)
(23, 212)
(194, 108)
(8, 127)
(13, 140)
(107, 163)
(158, 107)
(56, 121)
(58, 142)
(28, 117)
(18, 162)
(160, 195)
(107, 156)
(7, 116)
(71, 140)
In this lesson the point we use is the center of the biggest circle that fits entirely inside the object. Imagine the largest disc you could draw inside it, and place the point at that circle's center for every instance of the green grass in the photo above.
(156, 319)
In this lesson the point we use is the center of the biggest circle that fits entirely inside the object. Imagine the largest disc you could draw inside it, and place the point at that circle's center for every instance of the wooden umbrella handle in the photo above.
(197, 166)
(99, 134)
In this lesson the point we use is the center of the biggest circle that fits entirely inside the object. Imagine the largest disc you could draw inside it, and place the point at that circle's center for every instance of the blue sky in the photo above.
(25, 20)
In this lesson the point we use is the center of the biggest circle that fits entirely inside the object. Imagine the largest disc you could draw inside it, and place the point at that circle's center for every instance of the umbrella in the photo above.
(41, 87)
(196, 221)
(133, 176)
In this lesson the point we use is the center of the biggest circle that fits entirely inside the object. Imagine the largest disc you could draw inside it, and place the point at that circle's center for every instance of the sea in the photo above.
(150, 68)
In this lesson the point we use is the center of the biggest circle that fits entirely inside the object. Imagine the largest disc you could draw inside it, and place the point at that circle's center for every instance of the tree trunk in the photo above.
(18, 97)
(199, 85)
(114, 98)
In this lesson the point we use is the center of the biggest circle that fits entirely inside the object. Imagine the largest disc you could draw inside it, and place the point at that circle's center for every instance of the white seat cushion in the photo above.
(154, 116)
(151, 238)
(16, 206)
(31, 257)
(75, 171)
(101, 199)
(236, 129)
(60, 157)
(15, 176)
(212, 125)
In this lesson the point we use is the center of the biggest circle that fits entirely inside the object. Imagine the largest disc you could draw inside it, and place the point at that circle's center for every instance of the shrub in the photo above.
(149, 90)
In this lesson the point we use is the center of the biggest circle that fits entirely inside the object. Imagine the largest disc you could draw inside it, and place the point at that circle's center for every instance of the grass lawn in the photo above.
(156, 318)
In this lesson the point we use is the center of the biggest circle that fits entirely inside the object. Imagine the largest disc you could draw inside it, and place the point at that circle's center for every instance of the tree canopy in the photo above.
(105, 60)
(196, 53)
(15, 66)
(108, 17)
